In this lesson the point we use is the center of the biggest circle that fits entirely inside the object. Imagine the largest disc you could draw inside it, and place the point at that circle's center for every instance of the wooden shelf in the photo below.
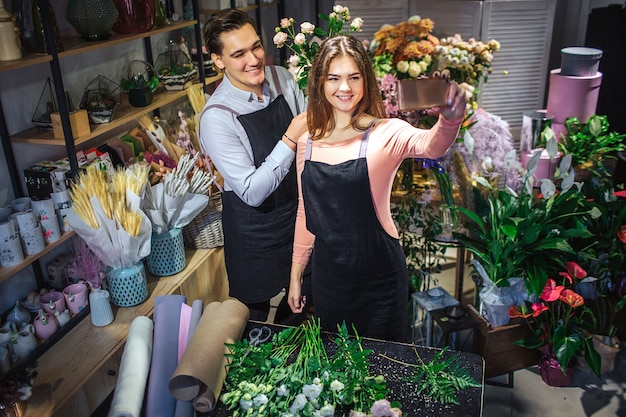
(124, 114)
(26, 61)
(245, 9)
(77, 366)
(6, 273)
(76, 45)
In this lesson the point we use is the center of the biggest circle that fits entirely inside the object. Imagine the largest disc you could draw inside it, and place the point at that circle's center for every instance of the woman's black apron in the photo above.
(258, 241)
(359, 272)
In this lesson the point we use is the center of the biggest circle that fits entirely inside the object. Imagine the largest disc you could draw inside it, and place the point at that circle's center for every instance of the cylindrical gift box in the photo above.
(167, 253)
(43, 209)
(26, 220)
(51, 229)
(7, 231)
(533, 124)
(580, 61)
(11, 252)
(128, 286)
(32, 240)
(61, 199)
(571, 96)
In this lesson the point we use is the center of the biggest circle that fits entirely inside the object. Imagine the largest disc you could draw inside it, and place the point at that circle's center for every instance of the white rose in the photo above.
(285, 22)
(356, 24)
(307, 28)
(279, 39)
(414, 69)
(300, 39)
(402, 66)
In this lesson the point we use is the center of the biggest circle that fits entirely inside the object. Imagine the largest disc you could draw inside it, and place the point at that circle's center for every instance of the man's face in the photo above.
(243, 58)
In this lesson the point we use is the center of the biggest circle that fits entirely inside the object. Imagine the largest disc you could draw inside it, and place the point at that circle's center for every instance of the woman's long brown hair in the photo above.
(320, 115)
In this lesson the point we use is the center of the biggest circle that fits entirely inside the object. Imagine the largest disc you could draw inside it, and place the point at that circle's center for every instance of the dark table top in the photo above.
(471, 400)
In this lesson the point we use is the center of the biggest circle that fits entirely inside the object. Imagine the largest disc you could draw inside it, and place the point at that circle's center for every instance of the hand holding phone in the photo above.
(422, 93)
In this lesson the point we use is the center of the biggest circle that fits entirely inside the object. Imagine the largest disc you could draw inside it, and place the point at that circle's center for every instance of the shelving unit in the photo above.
(6, 273)
(125, 113)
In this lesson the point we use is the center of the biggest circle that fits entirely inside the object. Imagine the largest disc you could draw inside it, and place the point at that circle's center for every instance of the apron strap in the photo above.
(279, 89)
(362, 150)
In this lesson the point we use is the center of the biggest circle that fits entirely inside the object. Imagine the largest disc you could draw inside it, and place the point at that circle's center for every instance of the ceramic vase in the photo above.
(92, 19)
(9, 38)
(101, 312)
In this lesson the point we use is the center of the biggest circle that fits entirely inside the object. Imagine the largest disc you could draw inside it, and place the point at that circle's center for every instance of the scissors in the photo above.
(257, 336)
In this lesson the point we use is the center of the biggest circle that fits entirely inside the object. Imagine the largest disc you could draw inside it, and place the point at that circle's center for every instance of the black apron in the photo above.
(258, 241)
(358, 270)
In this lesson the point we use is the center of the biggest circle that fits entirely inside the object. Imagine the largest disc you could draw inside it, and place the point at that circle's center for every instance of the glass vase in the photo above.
(135, 16)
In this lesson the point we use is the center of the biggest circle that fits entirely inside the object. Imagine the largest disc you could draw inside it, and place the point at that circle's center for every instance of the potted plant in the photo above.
(175, 69)
(556, 322)
(520, 237)
(100, 99)
(603, 257)
(589, 144)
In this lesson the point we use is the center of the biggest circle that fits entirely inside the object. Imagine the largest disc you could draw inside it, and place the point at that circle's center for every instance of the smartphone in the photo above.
(422, 93)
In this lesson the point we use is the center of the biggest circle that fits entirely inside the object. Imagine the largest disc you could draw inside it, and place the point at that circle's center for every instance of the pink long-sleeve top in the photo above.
(390, 142)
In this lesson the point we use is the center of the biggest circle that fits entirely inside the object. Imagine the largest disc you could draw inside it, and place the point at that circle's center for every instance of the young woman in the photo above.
(346, 166)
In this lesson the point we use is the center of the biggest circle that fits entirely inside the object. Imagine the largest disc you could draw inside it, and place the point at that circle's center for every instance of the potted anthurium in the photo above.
(519, 239)
(556, 322)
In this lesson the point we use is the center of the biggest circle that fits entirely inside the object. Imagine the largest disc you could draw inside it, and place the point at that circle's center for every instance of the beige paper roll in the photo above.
(134, 368)
(202, 369)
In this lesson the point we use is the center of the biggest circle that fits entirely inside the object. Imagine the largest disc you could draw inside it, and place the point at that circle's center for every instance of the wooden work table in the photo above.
(79, 371)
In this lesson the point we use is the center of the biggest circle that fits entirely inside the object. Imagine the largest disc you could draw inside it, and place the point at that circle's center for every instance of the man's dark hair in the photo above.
(224, 21)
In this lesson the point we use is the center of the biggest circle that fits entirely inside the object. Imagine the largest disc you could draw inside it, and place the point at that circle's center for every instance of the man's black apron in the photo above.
(359, 272)
(258, 241)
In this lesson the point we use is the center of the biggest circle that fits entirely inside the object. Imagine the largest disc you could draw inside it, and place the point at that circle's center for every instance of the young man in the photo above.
(247, 129)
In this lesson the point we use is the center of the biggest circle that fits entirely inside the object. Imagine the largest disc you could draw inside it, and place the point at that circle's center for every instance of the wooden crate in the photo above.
(495, 345)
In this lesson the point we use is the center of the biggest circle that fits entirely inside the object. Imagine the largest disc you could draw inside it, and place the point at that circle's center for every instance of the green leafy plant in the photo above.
(591, 142)
(524, 234)
(440, 379)
(294, 375)
(416, 223)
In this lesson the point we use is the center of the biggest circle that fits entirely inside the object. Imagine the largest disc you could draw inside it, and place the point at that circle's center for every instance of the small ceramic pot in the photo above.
(75, 297)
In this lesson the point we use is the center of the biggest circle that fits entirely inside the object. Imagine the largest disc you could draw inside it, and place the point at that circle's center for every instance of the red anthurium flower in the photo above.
(539, 308)
(519, 311)
(573, 271)
(621, 233)
(551, 291)
(571, 298)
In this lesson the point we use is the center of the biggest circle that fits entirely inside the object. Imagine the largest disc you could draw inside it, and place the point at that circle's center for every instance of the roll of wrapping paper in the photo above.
(134, 367)
(160, 402)
(185, 408)
(202, 371)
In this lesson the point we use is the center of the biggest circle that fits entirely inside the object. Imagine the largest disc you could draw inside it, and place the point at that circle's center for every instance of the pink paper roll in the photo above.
(571, 96)
(202, 370)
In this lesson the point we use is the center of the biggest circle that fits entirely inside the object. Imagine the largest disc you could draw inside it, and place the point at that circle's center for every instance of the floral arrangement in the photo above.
(557, 318)
(410, 50)
(404, 50)
(468, 62)
(305, 43)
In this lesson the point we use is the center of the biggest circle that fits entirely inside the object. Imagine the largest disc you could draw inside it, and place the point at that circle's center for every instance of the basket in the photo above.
(128, 286)
(167, 253)
(205, 230)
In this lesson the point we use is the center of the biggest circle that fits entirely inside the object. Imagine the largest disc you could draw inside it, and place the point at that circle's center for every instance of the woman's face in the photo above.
(343, 86)
(243, 57)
